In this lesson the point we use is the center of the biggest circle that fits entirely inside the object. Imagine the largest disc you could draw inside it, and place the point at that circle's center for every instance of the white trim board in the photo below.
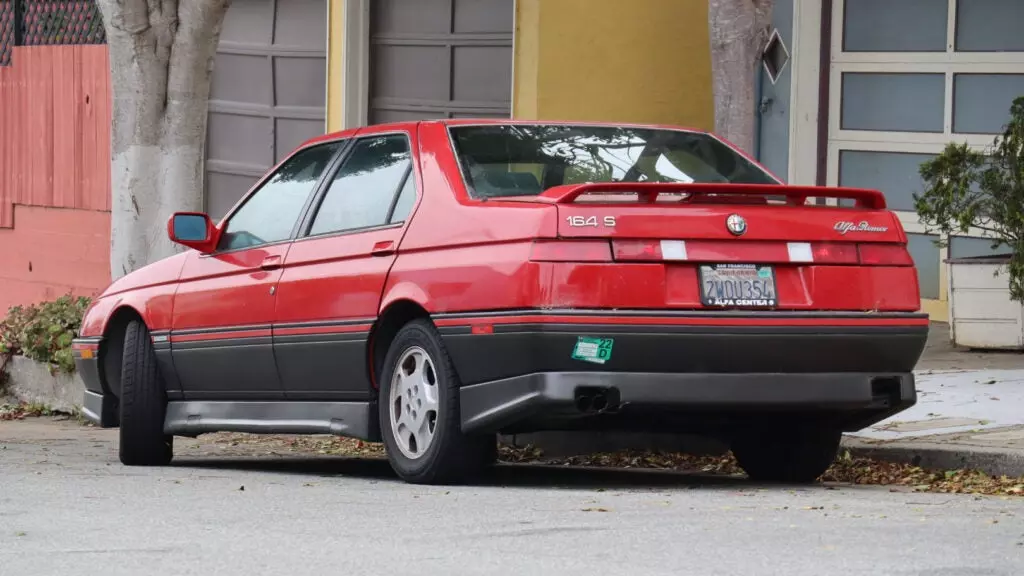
(803, 99)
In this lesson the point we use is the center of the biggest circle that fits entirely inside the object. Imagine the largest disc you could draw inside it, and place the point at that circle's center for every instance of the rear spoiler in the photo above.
(649, 191)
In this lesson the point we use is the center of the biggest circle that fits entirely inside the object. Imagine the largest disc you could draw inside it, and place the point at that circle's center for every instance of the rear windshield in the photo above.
(524, 160)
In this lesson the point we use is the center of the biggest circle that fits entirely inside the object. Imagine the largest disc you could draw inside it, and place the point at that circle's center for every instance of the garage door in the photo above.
(267, 94)
(440, 59)
(906, 78)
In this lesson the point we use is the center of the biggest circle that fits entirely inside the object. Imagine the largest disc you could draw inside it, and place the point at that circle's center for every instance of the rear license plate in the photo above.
(738, 285)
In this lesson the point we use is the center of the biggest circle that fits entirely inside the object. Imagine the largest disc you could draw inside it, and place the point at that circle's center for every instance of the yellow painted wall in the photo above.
(644, 61)
(335, 64)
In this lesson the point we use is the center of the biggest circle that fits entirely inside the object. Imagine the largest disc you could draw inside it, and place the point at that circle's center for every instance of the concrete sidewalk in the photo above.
(970, 413)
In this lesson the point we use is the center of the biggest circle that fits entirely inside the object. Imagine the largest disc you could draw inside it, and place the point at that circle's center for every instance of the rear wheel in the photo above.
(419, 412)
(791, 454)
(143, 402)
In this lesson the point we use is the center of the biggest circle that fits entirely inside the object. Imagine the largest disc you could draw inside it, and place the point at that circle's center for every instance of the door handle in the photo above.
(271, 263)
(385, 248)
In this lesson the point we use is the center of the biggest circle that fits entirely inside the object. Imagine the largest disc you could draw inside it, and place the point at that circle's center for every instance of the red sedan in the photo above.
(433, 284)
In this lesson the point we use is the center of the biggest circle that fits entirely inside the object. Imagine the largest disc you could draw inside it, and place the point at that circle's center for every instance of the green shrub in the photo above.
(43, 332)
(966, 188)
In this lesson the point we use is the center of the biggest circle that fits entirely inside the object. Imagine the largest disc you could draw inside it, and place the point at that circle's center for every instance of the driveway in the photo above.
(67, 507)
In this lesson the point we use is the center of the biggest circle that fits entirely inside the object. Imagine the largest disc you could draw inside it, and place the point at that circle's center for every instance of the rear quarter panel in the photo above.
(459, 253)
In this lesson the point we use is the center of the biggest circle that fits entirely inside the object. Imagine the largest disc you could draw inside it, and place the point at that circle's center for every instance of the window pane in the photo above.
(981, 102)
(524, 160)
(902, 26)
(893, 102)
(965, 247)
(272, 211)
(927, 260)
(989, 26)
(895, 174)
(363, 189)
(406, 200)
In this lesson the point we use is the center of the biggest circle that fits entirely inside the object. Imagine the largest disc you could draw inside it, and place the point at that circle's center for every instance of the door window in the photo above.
(365, 186)
(269, 215)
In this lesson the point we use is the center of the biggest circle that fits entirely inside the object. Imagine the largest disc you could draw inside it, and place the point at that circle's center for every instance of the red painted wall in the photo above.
(52, 251)
(54, 173)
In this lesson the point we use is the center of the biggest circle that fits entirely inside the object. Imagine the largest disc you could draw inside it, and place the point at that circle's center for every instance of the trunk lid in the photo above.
(700, 211)
(695, 245)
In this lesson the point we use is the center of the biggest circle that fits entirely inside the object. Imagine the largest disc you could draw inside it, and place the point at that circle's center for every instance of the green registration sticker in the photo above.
(596, 350)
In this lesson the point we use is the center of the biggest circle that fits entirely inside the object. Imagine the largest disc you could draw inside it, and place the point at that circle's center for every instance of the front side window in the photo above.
(525, 160)
(362, 191)
(269, 215)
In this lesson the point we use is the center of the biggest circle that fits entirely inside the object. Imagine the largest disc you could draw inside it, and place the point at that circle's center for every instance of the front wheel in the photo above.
(143, 402)
(419, 412)
(791, 454)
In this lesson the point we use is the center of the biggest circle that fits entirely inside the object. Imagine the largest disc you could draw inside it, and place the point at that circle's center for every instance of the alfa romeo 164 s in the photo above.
(434, 284)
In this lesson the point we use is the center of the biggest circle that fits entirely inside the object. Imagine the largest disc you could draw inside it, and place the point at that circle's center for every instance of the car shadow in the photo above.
(501, 476)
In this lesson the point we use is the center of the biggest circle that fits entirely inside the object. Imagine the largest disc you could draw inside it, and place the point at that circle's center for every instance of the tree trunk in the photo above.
(739, 30)
(161, 60)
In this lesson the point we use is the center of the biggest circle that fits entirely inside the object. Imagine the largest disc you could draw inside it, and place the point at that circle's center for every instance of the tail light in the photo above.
(884, 255)
(571, 251)
(754, 252)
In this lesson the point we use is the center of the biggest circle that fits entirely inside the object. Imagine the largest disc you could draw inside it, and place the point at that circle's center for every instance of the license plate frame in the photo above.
(708, 274)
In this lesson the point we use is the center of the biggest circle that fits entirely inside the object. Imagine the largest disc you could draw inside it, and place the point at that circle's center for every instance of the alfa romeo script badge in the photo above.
(736, 224)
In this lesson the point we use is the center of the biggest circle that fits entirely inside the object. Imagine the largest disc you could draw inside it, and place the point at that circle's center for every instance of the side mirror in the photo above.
(193, 229)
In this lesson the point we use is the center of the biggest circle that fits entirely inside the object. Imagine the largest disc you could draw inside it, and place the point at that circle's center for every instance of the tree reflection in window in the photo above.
(365, 186)
(270, 214)
(523, 160)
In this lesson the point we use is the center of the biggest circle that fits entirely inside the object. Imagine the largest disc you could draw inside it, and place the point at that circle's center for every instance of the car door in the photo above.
(221, 341)
(334, 273)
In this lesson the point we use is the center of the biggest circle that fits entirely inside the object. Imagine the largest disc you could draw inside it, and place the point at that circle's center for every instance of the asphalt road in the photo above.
(67, 507)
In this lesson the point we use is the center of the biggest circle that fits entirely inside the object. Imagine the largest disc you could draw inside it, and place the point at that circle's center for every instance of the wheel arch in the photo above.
(112, 347)
(398, 313)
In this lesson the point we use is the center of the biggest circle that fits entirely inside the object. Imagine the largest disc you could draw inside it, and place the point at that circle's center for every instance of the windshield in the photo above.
(524, 160)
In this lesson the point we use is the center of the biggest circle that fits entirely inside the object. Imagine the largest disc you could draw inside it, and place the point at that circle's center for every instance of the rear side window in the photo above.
(362, 191)
(270, 214)
(406, 200)
(524, 160)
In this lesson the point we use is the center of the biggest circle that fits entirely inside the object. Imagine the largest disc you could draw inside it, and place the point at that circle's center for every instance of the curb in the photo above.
(933, 456)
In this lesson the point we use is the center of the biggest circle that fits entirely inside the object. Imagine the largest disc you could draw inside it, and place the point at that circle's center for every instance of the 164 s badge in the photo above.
(595, 350)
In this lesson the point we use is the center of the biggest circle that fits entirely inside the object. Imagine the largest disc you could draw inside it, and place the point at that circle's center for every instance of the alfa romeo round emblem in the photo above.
(736, 224)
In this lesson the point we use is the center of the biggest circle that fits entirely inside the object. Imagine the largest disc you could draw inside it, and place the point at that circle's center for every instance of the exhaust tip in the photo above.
(583, 403)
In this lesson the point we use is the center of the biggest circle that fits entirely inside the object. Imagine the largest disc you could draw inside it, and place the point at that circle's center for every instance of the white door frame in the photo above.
(805, 80)
(355, 76)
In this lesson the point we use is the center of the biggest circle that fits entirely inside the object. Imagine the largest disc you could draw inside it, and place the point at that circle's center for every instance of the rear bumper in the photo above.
(859, 399)
(519, 371)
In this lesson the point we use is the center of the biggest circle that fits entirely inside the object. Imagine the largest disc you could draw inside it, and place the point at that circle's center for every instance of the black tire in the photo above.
(793, 455)
(452, 457)
(143, 403)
